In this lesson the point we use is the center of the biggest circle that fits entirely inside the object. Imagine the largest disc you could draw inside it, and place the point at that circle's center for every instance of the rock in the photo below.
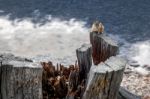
(142, 71)
(147, 67)
(124, 94)
(146, 97)
(134, 64)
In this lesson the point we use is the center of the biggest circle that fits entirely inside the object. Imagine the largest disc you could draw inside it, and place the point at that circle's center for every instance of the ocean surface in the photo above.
(54, 29)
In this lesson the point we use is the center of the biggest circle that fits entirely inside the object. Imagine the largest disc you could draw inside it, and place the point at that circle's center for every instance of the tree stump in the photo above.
(84, 60)
(0, 78)
(20, 79)
(104, 79)
(103, 47)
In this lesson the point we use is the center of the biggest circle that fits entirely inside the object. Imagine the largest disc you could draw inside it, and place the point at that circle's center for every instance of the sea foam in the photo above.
(58, 38)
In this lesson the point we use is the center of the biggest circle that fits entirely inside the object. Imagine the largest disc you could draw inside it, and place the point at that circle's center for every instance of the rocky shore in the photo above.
(136, 82)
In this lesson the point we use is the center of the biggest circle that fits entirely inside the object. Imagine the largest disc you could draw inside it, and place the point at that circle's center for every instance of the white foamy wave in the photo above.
(142, 52)
(56, 37)
(137, 54)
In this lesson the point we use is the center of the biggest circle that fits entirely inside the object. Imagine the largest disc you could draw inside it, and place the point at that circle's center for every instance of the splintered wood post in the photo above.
(20, 79)
(84, 60)
(0, 79)
(103, 47)
(104, 79)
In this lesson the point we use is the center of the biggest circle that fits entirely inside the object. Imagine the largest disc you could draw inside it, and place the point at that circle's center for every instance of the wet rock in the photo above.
(146, 97)
(134, 64)
(142, 71)
(124, 94)
(147, 67)
(127, 71)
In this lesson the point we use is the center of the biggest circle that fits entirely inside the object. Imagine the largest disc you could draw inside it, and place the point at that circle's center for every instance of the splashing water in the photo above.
(58, 37)
(142, 55)
(138, 54)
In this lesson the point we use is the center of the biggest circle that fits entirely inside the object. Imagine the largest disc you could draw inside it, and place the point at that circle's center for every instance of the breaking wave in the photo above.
(142, 52)
(56, 36)
(58, 39)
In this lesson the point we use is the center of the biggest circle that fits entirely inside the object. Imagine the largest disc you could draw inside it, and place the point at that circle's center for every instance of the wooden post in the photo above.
(0, 78)
(103, 47)
(104, 80)
(20, 79)
(84, 60)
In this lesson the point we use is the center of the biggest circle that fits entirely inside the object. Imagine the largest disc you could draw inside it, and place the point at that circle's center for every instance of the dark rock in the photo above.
(147, 67)
(127, 71)
(124, 94)
(134, 64)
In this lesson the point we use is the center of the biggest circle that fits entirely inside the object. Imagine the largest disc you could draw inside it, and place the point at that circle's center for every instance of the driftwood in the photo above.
(19, 78)
(102, 47)
(104, 79)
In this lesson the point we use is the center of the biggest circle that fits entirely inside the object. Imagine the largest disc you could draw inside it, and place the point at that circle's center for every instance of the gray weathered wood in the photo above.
(102, 47)
(0, 78)
(104, 79)
(84, 60)
(20, 79)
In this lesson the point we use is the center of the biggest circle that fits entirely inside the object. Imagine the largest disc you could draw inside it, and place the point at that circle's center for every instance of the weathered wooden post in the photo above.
(84, 60)
(102, 47)
(0, 78)
(20, 79)
(104, 79)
